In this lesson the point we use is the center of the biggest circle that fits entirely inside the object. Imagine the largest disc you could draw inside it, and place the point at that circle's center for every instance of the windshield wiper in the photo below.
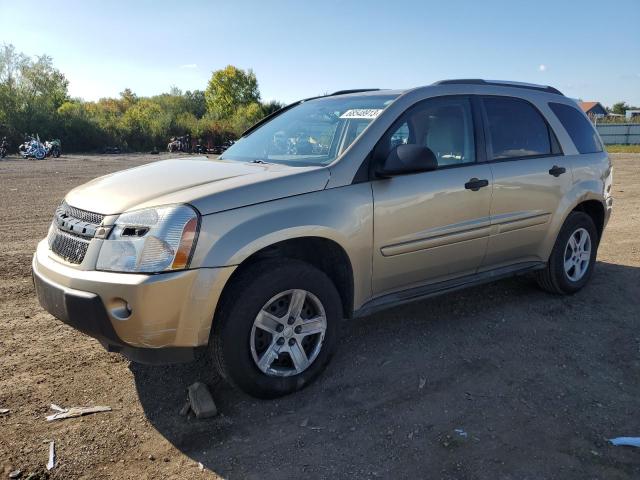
(257, 160)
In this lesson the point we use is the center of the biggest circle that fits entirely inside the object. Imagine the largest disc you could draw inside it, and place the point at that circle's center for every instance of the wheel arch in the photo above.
(325, 254)
(589, 203)
(596, 210)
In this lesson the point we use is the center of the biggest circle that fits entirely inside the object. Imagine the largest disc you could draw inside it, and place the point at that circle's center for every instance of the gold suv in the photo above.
(331, 208)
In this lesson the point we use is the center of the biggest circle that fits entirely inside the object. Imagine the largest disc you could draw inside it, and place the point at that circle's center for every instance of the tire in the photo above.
(237, 346)
(555, 278)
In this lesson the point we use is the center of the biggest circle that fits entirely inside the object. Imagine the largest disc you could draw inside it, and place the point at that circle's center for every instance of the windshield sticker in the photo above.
(368, 113)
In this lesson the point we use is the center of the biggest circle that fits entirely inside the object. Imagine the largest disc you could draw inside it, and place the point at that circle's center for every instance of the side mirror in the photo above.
(405, 159)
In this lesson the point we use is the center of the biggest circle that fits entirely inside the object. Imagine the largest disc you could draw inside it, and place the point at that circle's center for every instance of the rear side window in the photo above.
(516, 129)
(582, 133)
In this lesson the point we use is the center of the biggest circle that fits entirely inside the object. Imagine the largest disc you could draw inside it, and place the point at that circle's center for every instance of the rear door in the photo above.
(530, 175)
(432, 226)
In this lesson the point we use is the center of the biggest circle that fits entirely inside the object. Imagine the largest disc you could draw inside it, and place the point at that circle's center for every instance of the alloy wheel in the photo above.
(577, 254)
(287, 333)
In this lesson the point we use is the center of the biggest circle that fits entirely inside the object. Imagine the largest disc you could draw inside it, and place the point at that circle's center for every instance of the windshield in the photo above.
(315, 132)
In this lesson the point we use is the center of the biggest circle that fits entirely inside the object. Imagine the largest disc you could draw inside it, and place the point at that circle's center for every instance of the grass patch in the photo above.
(623, 148)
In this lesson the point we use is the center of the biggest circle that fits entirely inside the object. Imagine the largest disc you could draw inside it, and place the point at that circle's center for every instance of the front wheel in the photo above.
(276, 328)
(573, 257)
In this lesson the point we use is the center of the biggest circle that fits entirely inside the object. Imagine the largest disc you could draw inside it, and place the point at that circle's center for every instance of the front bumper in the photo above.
(169, 314)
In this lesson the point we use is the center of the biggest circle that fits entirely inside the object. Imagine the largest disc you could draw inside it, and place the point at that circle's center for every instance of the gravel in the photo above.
(537, 382)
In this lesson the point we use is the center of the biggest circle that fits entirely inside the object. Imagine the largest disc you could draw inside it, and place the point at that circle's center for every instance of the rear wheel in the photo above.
(276, 328)
(573, 257)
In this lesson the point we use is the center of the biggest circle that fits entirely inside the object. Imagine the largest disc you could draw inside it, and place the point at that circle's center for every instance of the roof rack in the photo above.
(355, 90)
(503, 83)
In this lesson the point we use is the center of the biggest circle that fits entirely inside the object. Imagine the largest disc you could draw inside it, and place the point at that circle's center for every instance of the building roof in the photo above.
(588, 106)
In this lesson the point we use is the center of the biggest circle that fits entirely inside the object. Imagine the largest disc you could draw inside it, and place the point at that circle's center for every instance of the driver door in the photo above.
(432, 226)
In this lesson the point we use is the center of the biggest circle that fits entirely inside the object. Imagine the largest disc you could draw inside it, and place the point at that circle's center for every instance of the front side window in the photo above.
(444, 125)
(314, 132)
(581, 131)
(516, 129)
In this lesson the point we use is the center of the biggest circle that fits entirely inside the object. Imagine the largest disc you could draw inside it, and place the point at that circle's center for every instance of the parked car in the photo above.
(260, 254)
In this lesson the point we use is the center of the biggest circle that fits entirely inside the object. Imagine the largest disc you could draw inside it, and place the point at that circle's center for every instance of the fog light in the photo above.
(120, 308)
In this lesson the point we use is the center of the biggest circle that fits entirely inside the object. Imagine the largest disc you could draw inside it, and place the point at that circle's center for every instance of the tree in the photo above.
(128, 98)
(246, 116)
(196, 103)
(229, 89)
(11, 64)
(34, 99)
(272, 107)
(79, 129)
(621, 107)
(31, 91)
(42, 90)
(146, 124)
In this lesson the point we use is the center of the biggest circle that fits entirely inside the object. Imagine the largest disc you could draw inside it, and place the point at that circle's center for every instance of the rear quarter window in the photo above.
(582, 133)
(516, 129)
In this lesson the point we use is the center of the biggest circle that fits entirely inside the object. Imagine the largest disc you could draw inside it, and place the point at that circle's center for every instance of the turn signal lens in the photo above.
(181, 259)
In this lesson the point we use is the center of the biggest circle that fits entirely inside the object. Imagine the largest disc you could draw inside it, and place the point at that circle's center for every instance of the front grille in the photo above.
(71, 232)
(68, 211)
(70, 247)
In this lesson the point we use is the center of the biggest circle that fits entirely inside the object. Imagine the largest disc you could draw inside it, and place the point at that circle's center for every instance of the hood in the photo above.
(209, 185)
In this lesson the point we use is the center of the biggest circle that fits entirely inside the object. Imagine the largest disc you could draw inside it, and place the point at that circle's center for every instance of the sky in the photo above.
(587, 49)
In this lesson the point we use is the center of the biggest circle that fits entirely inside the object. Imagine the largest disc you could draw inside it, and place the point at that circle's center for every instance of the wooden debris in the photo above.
(75, 412)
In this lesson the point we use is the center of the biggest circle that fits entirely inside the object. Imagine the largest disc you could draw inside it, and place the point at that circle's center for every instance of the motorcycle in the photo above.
(180, 144)
(53, 148)
(175, 145)
(201, 148)
(32, 148)
(4, 147)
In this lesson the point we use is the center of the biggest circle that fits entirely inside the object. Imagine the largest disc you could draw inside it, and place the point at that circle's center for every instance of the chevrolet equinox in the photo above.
(333, 207)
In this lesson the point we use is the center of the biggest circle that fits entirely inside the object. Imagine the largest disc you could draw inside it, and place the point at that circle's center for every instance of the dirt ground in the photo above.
(535, 383)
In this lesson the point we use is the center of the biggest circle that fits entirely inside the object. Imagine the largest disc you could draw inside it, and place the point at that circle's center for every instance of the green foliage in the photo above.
(617, 119)
(621, 107)
(195, 103)
(31, 91)
(272, 107)
(623, 148)
(217, 131)
(34, 99)
(145, 121)
(78, 127)
(245, 116)
(230, 89)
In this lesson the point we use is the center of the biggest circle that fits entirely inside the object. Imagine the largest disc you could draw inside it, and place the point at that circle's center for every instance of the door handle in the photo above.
(476, 184)
(556, 171)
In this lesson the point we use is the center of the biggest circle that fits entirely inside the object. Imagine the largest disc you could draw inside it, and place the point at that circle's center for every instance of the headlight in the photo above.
(151, 240)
